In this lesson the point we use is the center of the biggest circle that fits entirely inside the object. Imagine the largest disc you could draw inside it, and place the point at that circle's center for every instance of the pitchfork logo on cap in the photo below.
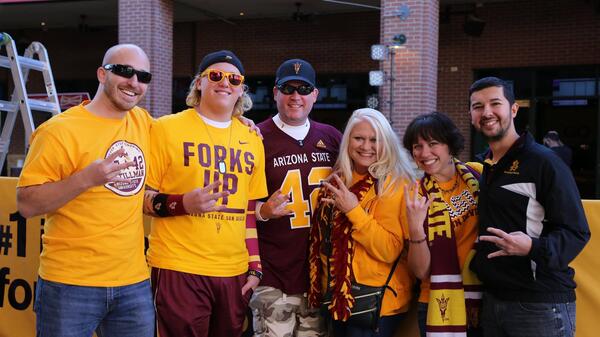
(297, 66)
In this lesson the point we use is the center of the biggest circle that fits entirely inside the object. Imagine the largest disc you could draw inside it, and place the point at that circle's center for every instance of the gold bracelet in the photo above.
(417, 241)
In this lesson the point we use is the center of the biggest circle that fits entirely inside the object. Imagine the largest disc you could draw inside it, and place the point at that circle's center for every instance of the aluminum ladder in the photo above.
(19, 67)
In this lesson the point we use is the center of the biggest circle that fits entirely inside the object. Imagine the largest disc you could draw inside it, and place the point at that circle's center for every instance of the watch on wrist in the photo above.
(256, 273)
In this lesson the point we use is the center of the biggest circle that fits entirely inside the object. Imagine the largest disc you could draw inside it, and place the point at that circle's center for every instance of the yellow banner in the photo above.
(20, 243)
(20, 247)
(587, 265)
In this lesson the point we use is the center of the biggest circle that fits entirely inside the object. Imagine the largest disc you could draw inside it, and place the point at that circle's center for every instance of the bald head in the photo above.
(119, 91)
(122, 52)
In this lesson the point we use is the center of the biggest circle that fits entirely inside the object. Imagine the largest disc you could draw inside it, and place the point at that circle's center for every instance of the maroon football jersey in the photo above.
(297, 168)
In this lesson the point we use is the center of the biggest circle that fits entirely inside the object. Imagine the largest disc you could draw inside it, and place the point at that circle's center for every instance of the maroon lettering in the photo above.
(204, 155)
(230, 184)
(249, 157)
(235, 165)
(215, 178)
(229, 180)
(220, 155)
(187, 153)
(209, 157)
(206, 178)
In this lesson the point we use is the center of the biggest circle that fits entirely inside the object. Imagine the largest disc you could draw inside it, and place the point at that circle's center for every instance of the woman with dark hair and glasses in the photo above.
(358, 232)
(442, 219)
(206, 170)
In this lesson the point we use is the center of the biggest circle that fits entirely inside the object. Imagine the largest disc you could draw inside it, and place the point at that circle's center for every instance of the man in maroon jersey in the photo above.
(299, 154)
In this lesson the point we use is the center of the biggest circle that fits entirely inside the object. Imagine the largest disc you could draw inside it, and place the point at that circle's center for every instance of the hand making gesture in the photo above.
(203, 200)
(106, 170)
(276, 206)
(339, 196)
(515, 243)
(416, 210)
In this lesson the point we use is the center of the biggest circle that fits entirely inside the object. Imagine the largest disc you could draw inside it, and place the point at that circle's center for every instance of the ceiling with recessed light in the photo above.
(22, 14)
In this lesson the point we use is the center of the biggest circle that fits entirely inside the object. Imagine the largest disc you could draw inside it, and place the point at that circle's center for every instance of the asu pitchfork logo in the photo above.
(297, 66)
(513, 168)
(443, 306)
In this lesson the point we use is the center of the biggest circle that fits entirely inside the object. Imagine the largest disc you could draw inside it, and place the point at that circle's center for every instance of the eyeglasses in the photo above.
(288, 89)
(128, 72)
(217, 76)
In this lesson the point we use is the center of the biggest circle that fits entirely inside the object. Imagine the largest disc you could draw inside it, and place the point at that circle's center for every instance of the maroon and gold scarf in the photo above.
(454, 296)
(328, 218)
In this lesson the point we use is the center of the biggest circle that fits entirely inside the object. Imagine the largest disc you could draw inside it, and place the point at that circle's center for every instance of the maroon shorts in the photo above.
(189, 305)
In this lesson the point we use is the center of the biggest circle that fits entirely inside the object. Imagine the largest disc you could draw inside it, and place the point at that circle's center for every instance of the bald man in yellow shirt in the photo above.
(86, 170)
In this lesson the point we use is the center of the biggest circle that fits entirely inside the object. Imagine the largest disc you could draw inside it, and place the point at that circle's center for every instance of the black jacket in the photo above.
(532, 191)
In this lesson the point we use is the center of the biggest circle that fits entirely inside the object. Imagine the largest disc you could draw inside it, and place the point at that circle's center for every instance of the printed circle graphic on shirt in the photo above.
(135, 174)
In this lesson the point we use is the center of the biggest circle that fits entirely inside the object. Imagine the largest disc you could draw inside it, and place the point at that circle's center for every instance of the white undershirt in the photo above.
(297, 132)
(216, 124)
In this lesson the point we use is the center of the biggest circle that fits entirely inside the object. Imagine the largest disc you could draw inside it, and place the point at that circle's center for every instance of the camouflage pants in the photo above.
(276, 314)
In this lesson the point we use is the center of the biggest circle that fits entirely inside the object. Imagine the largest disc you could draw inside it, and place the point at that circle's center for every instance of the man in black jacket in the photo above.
(531, 224)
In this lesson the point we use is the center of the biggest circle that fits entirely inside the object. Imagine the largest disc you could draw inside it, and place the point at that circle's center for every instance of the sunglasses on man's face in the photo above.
(288, 89)
(128, 72)
(217, 76)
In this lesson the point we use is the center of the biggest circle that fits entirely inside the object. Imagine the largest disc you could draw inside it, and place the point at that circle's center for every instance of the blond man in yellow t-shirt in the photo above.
(86, 170)
(206, 169)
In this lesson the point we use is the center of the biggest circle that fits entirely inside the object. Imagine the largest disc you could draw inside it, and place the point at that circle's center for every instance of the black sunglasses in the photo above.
(288, 89)
(128, 72)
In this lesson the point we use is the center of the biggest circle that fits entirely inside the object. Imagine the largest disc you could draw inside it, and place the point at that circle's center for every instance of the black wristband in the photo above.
(256, 273)
(159, 204)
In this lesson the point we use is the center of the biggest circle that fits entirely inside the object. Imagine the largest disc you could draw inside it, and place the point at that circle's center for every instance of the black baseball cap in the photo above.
(295, 70)
(226, 56)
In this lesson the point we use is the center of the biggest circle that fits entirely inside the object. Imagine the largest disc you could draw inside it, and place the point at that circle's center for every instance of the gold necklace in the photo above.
(221, 166)
(454, 186)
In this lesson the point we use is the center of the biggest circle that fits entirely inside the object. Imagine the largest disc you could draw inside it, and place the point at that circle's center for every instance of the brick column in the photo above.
(149, 24)
(415, 66)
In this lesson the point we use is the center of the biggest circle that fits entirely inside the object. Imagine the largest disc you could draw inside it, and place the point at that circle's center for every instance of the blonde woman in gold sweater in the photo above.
(359, 228)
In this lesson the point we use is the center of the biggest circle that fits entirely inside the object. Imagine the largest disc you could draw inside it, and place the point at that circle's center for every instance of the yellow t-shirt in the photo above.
(184, 157)
(379, 232)
(96, 239)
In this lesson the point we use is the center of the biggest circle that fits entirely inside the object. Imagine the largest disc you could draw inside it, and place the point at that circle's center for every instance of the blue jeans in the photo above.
(386, 328)
(524, 319)
(64, 310)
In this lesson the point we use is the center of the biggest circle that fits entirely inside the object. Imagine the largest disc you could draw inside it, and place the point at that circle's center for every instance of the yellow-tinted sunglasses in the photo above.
(217, 76)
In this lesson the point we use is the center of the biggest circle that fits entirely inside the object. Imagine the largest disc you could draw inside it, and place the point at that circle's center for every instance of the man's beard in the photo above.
(497, 135)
